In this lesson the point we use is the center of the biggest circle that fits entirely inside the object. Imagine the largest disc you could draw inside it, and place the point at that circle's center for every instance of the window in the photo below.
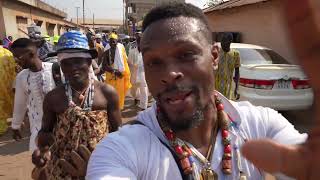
(50, 29)
(260, 56)
(21, 20)
(22, 24)
(38, 22)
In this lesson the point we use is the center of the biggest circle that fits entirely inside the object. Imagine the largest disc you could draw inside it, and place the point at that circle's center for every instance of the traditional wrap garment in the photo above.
(122, 85)
(7, 76)
(76, 126)
(228, 61)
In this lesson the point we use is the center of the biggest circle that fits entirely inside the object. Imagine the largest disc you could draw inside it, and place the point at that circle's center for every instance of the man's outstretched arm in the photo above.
(300, 161)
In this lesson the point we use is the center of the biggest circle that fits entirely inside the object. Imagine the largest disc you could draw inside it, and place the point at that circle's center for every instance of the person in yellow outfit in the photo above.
(7, 76)
(55, 40)
(228, 69)
(115, 64)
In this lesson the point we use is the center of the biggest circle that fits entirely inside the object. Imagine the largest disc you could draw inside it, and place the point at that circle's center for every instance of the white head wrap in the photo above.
(62, 56)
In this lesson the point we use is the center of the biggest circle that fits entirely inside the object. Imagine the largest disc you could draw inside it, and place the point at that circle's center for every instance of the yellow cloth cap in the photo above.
(113, 36)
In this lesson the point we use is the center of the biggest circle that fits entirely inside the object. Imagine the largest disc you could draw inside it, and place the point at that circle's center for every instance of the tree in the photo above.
(214, 2)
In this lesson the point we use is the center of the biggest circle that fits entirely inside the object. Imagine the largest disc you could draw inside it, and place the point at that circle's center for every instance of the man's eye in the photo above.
(188, 55)
(154, 63)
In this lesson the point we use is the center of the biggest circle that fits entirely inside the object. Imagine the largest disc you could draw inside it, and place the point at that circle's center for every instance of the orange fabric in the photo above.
(122, 85)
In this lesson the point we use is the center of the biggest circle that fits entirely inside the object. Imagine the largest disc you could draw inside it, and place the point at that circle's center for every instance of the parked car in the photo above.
(267, 79)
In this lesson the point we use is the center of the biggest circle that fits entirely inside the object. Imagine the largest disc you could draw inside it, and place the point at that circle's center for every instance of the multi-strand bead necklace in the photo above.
(187, 153)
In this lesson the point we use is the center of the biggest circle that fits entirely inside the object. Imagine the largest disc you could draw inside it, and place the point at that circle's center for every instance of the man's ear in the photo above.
(90, 62)
(215, 56)
(32, 54)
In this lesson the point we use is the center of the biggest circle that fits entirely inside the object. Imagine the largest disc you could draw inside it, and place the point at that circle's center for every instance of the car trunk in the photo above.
(274, 79)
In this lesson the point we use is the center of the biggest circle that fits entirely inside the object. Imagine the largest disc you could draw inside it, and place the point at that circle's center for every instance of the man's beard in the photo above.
(184, 123)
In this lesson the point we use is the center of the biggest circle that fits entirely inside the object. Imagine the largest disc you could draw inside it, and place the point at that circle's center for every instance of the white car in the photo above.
(267, 79)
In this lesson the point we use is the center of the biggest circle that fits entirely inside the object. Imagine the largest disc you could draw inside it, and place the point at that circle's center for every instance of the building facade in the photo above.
(257, 22)
(158, 2)
(100, 24)
(135, 10)
(17, 15)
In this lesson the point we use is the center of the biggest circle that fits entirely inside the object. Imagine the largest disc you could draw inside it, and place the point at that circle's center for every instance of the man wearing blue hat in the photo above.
(77, 115)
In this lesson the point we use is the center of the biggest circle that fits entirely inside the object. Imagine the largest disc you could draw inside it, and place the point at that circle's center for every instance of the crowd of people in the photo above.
(72, 92)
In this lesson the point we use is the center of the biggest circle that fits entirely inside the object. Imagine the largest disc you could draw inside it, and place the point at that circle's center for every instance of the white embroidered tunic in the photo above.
(31, 88)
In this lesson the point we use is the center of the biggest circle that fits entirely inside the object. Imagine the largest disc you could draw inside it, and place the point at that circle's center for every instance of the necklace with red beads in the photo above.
(187, 153)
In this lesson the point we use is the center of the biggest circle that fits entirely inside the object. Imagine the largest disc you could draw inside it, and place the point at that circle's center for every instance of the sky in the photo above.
(106, 9)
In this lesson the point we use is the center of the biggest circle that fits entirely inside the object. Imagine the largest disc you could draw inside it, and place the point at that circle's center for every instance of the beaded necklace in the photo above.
(187, 153)
(87, 98)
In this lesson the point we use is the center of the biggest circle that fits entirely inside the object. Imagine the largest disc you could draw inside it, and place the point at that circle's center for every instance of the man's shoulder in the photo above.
(56, 94)
(264, 122)
(248, 111)
(47, 63)
(107, 89)
(251, 118)
(23, 74)
(256, 121)
(21, 80)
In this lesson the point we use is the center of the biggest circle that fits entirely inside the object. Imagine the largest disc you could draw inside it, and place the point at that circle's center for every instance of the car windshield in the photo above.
(260, 56)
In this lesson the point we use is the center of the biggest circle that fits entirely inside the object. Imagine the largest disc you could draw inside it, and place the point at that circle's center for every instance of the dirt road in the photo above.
(15, 159)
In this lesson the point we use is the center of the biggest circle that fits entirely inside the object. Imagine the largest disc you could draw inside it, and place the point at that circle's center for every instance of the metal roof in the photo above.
(231, 4)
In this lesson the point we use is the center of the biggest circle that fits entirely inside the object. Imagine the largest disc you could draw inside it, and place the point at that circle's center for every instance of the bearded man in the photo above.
(192, 131)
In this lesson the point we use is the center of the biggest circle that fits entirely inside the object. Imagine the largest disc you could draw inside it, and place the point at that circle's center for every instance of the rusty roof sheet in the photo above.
(231, 4)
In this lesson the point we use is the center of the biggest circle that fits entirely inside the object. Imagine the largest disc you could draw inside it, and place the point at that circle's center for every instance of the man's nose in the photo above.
(171, 76)
(74, 67)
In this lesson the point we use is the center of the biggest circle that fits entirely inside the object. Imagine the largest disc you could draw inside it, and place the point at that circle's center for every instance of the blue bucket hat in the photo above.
(75, 41)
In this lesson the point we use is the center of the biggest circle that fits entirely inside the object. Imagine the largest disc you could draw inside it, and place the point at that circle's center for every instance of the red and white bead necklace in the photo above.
(187, 155)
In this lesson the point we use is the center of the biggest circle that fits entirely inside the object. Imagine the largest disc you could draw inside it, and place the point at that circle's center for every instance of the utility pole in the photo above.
(93, 21)
(83, 21)
(77, 15)
(124, 15)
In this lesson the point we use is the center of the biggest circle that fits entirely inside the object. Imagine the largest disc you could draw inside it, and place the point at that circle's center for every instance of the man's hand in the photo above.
(79, 161)
(301, 161)
(16, 134)
(118, 74)
(41, 158)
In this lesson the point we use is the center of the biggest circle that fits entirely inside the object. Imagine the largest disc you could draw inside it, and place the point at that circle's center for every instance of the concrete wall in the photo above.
(11, 9)
(45, 7)
(2, 25)
(260, 24)
(158, 2)
(141, 1)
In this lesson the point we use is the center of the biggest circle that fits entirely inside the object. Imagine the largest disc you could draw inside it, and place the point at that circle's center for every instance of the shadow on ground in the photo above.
(9, 146)
(129, 111)
(301, 119)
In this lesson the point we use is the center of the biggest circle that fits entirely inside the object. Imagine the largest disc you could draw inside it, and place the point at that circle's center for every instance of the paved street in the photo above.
(15, 163)
(300, 119)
